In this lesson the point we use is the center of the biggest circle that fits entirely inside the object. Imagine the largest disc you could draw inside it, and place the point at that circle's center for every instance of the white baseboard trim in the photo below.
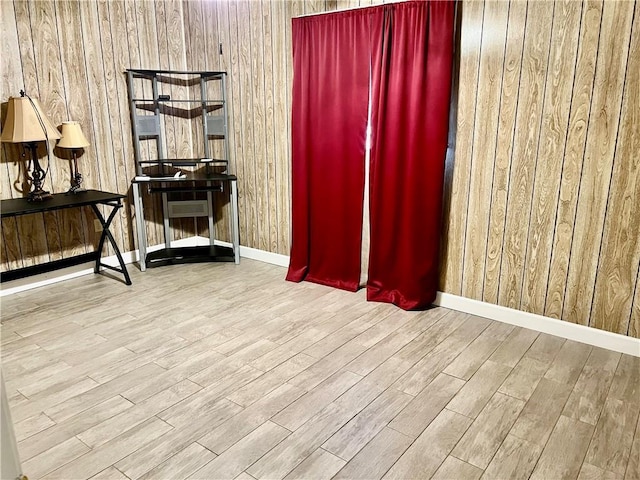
(266, 257)
(552, 326)
(260, 255)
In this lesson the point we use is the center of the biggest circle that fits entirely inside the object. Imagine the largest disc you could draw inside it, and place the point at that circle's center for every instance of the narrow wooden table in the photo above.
(20, 206)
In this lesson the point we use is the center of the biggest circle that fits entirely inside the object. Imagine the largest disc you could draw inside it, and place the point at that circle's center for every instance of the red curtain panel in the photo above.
(331, 55)
(410, 110)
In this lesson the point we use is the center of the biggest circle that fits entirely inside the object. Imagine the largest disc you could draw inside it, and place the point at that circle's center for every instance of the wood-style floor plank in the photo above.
(563, 455)
(484, 437)
(233, 462)
(425, 455)
(514, 459)
(320, 465)
(426, 406)
(376, 457)
(218, 370)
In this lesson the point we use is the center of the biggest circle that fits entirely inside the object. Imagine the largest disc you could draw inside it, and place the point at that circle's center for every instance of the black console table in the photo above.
(20, 206)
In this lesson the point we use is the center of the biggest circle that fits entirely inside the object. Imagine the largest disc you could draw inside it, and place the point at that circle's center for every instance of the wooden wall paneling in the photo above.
(117, 163)
(54, 240)
(583, 85)
(17, 164)
(143, 25)
(96, 53)
(117, 21)
(149, 58)
(130, 45)
(11, 255)
(183, 140)
(269, 132)
(164, 88)
(344, 4)
(329, 5)
(292, 9)
(243, 19)
(598, 160)
(525, 150)
(10, 85)
(258, 124)
(471, 39)
(555, 117)
(281, 60)
(176, 37)
(169, 122)
(229, 23)
(314, 6)
(216, 61)
(504, 145)
(634, 322)
(449, 159)
(196, 21)
(224, 62)
(74, 75)
(492, 54)
(620, 251)
(25, 42)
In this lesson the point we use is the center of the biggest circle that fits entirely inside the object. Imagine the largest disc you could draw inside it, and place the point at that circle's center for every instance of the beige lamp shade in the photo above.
(27, 122)
(72, 136)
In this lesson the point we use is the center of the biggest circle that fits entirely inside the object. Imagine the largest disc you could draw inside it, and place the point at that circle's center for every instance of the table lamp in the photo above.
(26, 123)
(73, 138)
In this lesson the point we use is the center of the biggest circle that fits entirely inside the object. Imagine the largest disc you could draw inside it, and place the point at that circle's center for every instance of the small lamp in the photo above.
(27, 123)
(73, 138)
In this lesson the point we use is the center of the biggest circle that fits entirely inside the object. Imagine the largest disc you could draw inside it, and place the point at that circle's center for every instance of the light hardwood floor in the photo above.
(222, 371)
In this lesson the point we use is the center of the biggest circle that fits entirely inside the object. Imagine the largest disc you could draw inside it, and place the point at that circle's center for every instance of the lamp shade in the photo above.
(27, 122)
(72, 136)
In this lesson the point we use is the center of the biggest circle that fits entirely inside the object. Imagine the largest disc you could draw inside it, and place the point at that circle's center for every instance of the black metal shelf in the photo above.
(173, 256)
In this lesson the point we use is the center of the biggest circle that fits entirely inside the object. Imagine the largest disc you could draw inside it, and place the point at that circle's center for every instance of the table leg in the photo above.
(106, 234)
(142, 236)
(235, 227)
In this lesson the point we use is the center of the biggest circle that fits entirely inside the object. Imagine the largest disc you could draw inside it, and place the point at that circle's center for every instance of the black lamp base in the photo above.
(76, 177)
(38, 196)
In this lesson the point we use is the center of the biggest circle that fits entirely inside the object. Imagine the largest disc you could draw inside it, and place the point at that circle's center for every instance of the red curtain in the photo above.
(331, 55)
(409, 47)
(410, 109)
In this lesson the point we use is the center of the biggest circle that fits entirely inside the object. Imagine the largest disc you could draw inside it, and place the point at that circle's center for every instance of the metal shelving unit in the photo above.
(156, 175)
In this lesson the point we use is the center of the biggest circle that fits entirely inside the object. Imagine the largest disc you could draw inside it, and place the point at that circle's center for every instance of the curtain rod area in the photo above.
(341, 10)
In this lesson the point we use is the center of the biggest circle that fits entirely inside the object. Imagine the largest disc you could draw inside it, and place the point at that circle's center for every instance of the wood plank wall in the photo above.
(542, 194)
(544, 210)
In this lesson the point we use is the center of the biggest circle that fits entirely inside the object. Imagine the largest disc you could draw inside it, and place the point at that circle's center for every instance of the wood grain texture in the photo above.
(620, 254)
(504, 145)
(573, 156)
(555, 115)
(540, 189)
(634, 323)
(471, 36)
(525, 150)
(595, 184)
(490, 72)
(563, 455)
(139, 421)
(485, 435)
(515, 459)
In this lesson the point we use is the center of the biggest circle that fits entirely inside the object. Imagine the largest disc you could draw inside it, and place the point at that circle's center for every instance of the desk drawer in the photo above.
(188, 208)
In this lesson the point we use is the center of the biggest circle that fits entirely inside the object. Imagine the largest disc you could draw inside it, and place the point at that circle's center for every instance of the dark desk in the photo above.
(192, 182)
(20, 206)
